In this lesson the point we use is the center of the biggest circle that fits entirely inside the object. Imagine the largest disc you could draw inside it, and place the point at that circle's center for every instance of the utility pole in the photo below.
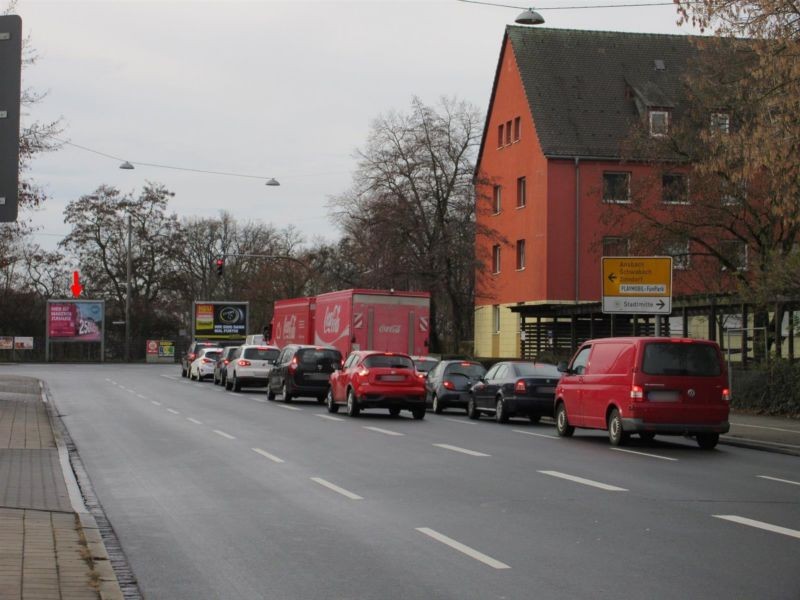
(128, 297)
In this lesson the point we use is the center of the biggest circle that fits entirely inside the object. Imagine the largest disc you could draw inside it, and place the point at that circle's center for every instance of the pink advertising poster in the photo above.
(75, 321)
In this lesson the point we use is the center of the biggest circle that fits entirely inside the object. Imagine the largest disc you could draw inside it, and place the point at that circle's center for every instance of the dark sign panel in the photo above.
(10, 53)
(220, 320)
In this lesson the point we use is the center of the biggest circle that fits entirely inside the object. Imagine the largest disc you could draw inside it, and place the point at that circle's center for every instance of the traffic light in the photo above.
(220, 265)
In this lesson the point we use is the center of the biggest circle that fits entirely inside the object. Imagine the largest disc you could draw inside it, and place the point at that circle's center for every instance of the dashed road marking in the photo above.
(336, 488)
(644, 454)
(597, 484)
(173, 377)
(779, 479)
(142, 397)
(223, 434)
(461, 421)
(329, 417)
(383, 431)
(173, 411)
(471, 552)
(543, 435)
(257, 399)
(266, 454)
(760, 525)
(461, 450)
(287, 407)
(156, 402)
(195, 421)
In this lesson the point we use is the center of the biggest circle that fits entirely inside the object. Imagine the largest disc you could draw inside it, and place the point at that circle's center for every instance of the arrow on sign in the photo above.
(612, 277)
(76, 288)
(660, 304)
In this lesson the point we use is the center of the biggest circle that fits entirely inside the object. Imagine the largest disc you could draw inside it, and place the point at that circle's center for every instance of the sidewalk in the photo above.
(775, 434)
(50, 547)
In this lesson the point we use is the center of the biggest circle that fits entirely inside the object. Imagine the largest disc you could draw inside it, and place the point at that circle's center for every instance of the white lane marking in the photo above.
(123, 388)
(778, 479)
(544, 435)
(287, 407)
(336, 488)
(384, 431)
(132, 391)
(597, 484)
(462, 421)
(266, 454)
(174, 412)
(797, 431)
(108, 380)
(471, 552)
(258, 399)
(223, 434)
(734, 438)
(112, 381)
(760, 525)
(142, 397)
(462, 450)
(329, 417)
(175, 377)
(156, 402)
(644, 454)
(195, 421)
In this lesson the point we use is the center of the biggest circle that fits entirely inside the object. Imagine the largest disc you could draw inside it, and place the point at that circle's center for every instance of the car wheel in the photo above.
(472, 410)
(647, 436)
(437, 407)
(329, 402)
(287, 397)
(237, 385)
(563, 428)
(270, 393)
(352, 405)
(500, 415)
(535, 418)
(616, 435)
(183, 372)
(418, 413)
(395, 412)
(707, 440)
(228, 385)
(216, 381)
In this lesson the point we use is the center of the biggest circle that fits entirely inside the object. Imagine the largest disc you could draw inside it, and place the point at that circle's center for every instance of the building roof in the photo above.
(585, 88)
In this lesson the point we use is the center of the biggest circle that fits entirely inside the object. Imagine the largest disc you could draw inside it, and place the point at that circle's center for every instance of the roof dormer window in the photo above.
(659, 122)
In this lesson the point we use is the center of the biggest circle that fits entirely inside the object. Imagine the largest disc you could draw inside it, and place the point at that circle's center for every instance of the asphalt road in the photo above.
(221, 495)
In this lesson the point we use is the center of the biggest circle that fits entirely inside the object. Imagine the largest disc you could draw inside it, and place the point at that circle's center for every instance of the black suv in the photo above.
(303, 371)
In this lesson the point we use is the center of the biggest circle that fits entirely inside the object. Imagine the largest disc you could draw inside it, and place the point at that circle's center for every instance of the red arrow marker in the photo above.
(76, 288)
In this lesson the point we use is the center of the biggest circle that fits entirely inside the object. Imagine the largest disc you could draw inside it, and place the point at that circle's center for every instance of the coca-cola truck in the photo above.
(373, 320)
(293, 322)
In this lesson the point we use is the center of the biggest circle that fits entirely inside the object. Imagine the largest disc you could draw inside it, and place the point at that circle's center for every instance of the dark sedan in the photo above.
(515, 389)
(448, 383)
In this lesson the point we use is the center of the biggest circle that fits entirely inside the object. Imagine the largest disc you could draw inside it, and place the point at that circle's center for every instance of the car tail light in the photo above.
(726, 395)
(192, 356)
(225, 361)
(520, 387)
(243, 363)
(420, 375)
(448, 385)
(363, 372)
(637, 393)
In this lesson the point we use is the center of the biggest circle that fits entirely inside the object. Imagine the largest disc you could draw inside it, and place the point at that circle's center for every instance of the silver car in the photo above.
(250, 367)
(203, 365)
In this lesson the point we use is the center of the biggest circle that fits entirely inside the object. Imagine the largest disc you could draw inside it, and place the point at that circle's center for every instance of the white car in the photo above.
(203, 365)
(250, 367)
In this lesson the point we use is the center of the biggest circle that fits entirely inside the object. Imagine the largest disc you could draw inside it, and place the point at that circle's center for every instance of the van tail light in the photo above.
(520, 387)
(293, 365)
(243, 363)
(448, 385)
(637, 393)
(726, 395)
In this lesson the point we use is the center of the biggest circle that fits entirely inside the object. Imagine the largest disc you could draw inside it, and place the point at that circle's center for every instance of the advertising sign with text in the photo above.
(220, 320)
(75, 321)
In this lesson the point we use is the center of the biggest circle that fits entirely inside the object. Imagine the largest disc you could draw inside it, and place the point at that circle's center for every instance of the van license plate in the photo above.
(663, 396)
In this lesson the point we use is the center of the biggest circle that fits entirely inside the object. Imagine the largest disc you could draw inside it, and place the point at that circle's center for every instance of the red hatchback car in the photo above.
(371, 379)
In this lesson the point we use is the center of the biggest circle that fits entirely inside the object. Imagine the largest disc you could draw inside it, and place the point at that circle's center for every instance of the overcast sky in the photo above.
(283, 89)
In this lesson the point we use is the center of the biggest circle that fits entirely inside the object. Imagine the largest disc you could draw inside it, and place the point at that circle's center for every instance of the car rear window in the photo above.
(261, 353)
(699, 360)
(315, 356)
(215, 354)
(471, 370)
(536, 370)
(388, 361)
(425, 365)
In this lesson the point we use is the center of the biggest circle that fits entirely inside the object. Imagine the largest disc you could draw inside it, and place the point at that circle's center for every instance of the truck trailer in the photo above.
(383, 320)
(293, 322)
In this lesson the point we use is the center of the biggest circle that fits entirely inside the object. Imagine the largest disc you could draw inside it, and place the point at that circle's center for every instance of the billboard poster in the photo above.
(75, 321)
(23, 343)
(220, 320)
(6, 342)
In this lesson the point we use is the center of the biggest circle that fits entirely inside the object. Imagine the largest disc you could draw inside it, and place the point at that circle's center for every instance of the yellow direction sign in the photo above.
(637, 284)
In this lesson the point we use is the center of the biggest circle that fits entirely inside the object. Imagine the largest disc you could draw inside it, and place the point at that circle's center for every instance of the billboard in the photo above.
(75, 320)
(6, 342)
(220, 320)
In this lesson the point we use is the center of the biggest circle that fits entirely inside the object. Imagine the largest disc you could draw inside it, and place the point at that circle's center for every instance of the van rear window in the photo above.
(261, 353)
(680, 358)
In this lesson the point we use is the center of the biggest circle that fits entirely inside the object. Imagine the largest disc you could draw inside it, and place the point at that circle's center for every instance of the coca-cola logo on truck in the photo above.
(332, 320)
(289, 326)
(393, 329)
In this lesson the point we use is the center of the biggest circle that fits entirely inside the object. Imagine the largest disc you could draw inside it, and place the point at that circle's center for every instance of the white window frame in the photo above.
(679, 251)
(744, 266)
(720, 122)
(497, 199)
(660, 112)
(627, 200)
(618, 239)
(496, 318)
(522, 199)
(663, 188)
(521, 255)
(496, 256)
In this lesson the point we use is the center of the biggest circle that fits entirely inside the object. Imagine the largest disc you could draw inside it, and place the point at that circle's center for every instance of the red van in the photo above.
(645, 385)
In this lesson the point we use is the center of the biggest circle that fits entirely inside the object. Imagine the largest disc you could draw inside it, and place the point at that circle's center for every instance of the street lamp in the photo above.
(529, 17)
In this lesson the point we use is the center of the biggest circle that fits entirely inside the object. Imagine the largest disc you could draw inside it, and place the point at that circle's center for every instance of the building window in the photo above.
(496, 318)
(617, 188)
(520, 255)
(517, 127)
(497, 197)
(508, 132)
(734, 194)
(521, 192)
(734, 253)
(500, 135)
(721, 122)
(679, 251)
(674, 188)
(496, 258)
(659, 122)
(616, 246)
